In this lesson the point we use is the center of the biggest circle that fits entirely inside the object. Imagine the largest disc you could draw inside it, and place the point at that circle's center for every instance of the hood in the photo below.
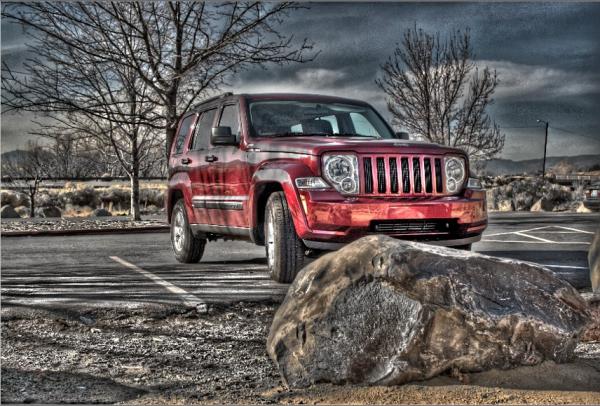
(359, 145)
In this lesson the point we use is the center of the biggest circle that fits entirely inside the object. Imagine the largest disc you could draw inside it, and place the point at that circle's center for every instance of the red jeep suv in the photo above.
(302, 173)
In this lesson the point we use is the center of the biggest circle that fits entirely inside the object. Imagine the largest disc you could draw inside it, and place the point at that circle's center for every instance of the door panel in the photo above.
(229, 176)
(199, 167)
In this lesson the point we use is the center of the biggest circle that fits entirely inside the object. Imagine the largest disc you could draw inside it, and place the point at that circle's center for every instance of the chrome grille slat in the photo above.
(368, 175)
(428, 180)
(401, 175)
(393, 175)
(417, 174)
(405, 176)
(439, 186)
(381, 176)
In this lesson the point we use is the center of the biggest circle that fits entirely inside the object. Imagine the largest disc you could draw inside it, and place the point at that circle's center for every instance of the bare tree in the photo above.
(89, 97)
(437, 93)
(181, 50)
(29, 166)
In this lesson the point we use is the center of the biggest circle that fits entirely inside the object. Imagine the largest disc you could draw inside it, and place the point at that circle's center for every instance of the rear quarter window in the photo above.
(203, 130)
(184, 130)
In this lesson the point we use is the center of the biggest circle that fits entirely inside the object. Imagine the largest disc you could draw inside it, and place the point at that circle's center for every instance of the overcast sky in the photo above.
(547, 57)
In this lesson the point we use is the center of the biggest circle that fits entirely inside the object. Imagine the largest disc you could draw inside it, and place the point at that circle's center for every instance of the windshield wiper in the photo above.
(356, 135)
(299, 134)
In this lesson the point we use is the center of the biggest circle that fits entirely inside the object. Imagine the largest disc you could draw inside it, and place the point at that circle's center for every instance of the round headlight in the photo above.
(341, 171)
(455, 174)
(348, 185)
(338, 168)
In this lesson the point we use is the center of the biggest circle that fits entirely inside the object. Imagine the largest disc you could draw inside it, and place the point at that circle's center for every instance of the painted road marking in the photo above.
(537, 242)
(187, 298)
(575, 229)
(540, 240)
(522, 234)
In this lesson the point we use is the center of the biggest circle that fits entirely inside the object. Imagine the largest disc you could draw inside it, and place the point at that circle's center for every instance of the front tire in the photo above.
(285, 250)
(187, 247)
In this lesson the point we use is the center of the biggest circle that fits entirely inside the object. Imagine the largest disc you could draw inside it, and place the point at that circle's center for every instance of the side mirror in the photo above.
(222, 136)
(402, 135)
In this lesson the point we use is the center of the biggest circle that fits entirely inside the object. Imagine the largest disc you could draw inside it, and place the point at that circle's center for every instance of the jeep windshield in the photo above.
(287, 118)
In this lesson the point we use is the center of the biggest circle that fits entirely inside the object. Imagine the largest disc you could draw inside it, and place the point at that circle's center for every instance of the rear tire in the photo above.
(187, 247)
(285, 250)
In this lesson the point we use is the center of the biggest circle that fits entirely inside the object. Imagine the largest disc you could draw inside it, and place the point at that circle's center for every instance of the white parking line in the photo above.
(537, 242)
(522, 234)
(187, 298)
(575, 229)
(540, 240)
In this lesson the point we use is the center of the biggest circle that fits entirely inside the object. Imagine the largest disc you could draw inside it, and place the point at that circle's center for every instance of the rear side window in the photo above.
(229, 118)
(184, 129)
(203, 130)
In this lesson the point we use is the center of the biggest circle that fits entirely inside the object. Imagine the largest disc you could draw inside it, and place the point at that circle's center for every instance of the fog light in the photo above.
(312, 183)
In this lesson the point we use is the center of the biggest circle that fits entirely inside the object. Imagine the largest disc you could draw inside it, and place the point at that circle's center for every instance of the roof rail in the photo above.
(195, 106)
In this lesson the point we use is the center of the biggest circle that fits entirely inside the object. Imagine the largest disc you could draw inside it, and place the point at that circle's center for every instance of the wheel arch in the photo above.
(263, 191)
(276, 179)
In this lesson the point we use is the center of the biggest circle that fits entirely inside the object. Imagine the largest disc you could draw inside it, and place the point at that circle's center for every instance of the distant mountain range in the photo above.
(509, 167)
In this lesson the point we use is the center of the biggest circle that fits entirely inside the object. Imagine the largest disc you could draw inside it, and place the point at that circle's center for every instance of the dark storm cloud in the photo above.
(547, 57)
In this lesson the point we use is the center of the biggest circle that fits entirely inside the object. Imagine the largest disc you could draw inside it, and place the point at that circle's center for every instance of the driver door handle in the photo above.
(186, 161)
(211, 158)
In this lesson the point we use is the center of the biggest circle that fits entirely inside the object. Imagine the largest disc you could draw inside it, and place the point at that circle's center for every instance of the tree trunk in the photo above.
(135, 183)
(172, 119)
(32, 205)
(135, 197)
(170, 136)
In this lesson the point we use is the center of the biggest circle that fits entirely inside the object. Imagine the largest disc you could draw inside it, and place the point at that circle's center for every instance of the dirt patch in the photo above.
(177, 356)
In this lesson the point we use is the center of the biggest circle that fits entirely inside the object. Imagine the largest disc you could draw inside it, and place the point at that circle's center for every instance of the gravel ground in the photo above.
(72, 224)
(177, 356)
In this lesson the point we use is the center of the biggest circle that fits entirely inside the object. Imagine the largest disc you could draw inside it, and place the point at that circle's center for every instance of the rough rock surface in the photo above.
(542, 205)
(101, 213)
(383, 311)
(594, 262)
(8, 212)
(48, 211)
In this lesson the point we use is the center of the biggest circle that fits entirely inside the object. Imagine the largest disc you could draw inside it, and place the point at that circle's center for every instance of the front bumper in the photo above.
(331, 218)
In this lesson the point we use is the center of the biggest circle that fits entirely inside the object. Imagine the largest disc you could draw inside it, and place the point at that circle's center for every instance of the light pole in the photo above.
(545, 145)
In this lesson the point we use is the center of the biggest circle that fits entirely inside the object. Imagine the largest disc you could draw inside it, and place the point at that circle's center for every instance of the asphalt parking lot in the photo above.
(132, 270)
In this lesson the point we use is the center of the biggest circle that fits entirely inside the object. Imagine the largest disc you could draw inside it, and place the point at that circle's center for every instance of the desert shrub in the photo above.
(82, 197)
(23, 211)
(49, 198)
(523, 201)
(77, 211)
(8, 197)
(153, 197)
(115, 195)
(14, 198)
(523, 193)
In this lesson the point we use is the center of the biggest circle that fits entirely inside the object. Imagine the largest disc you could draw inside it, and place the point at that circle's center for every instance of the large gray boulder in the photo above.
(383, 311)
(8, 212)
(48, 212)
(594, 262)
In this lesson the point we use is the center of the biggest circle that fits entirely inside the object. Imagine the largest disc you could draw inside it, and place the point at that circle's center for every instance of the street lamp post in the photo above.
(545, 146)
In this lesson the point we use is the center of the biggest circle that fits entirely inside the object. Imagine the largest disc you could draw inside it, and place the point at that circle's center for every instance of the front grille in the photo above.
(412, 226)
(390, 175)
